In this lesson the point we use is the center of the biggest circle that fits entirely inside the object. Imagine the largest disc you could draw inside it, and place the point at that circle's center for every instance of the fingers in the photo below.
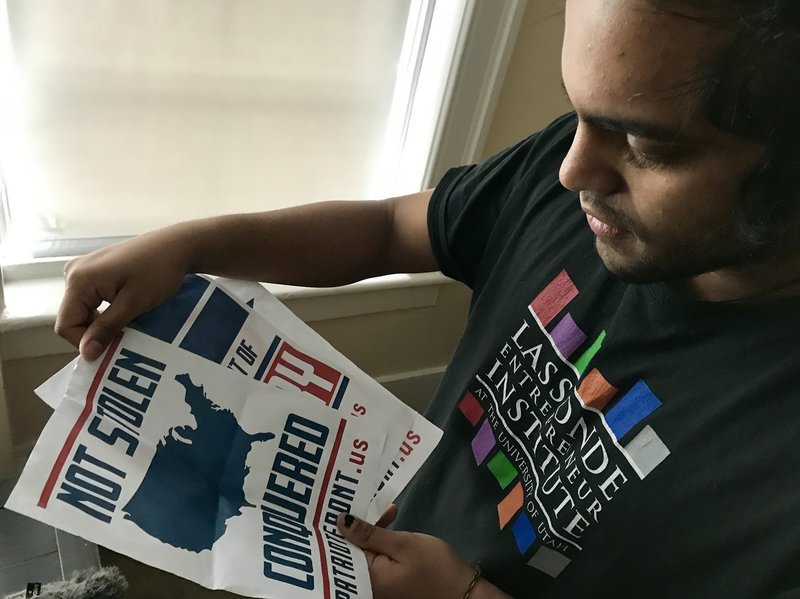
(74, 316)
(369, 537)
(133, 276)
(79, 323)
(103, 329)
(78, 310)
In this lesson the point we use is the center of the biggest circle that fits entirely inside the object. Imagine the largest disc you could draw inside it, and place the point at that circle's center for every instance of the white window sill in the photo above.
(31, 305)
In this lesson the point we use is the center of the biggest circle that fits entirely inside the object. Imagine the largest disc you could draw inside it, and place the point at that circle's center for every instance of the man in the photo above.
(619, 416)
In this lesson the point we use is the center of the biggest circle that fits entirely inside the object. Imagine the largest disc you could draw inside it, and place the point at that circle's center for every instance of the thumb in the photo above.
(367, 536)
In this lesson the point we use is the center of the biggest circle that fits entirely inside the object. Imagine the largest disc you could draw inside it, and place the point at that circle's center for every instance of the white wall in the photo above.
(531, 95)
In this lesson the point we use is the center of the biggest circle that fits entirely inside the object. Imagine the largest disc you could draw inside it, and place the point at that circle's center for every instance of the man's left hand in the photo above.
(407, 565)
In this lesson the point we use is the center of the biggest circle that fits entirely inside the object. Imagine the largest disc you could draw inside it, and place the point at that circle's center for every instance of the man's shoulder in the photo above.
(540, 154)
(566, 123)
(559, 133)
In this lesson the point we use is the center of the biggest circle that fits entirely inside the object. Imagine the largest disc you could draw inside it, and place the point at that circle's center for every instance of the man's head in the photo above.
(687, 143)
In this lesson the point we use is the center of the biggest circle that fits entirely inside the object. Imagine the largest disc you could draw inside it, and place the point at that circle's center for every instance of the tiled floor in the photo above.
(147, 582)
(33, 552)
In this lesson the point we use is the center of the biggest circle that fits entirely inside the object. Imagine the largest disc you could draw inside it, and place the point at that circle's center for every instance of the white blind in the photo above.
(135, 114)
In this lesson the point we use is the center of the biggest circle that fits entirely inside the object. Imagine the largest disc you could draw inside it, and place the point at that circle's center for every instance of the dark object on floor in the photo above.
(105, 583)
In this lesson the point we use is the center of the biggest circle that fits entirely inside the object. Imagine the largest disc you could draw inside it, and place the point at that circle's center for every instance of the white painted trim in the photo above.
(415, 387)
(485, 49)
(421, 373)
(433, 43)
(42, 268)
(26, 323)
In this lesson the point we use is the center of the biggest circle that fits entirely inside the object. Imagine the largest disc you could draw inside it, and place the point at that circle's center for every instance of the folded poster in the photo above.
(173, 450)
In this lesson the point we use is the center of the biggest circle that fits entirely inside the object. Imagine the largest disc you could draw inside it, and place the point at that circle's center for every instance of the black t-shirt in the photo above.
(603, 439)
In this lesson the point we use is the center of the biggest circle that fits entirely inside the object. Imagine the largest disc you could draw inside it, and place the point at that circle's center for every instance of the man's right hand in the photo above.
(133, 277)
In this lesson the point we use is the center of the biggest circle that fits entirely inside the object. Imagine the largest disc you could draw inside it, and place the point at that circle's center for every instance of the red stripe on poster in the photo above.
(44, 498)
(322, 494)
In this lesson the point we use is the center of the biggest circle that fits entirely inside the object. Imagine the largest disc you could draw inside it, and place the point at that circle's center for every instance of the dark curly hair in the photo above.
(751, 89)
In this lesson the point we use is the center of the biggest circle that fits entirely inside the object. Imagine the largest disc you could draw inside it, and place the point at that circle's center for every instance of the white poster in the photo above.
(155, 455)
(241, 326)
(218, 438)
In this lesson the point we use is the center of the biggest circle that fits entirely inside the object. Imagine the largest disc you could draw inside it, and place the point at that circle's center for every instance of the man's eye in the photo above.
(651, 155)
(641, 159)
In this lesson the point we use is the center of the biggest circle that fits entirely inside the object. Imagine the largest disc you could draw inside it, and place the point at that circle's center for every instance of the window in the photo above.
(124, 116)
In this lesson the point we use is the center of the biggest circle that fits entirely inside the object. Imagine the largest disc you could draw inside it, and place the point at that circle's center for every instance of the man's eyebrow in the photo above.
(639, 128)
(636, 127)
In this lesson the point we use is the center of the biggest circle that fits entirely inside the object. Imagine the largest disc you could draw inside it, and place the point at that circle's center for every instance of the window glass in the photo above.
(134, 114)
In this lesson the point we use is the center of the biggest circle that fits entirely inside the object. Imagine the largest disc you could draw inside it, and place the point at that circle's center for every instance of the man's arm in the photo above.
(322, 244)
(407, 565)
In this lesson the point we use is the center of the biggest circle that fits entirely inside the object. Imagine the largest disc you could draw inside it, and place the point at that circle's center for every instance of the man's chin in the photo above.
(630, 268)
(634, 275)
(641, 267)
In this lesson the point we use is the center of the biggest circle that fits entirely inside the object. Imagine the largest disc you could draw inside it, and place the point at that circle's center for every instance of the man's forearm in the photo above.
(322, 244)
(326, 244)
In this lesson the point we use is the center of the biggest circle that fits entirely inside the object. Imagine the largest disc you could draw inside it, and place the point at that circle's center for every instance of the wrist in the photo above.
(484, 589)
(187, 241)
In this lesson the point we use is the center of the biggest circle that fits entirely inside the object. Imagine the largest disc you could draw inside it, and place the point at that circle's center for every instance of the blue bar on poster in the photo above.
(337, 401)
(630, 410)
(166, 321)
(267, 358)
(215, 328)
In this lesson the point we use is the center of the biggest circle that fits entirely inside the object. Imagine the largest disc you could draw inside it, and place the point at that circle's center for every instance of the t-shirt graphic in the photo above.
(197, 473)
(560, 440)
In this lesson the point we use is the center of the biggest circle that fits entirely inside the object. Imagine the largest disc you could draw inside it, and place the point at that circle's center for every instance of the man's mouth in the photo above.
(602, 225)
(602, 228)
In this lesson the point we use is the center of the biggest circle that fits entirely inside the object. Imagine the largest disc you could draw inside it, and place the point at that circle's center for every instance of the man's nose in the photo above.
(590, 165)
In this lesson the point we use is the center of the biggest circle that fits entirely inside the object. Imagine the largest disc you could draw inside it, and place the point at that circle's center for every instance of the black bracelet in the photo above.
(475, 578)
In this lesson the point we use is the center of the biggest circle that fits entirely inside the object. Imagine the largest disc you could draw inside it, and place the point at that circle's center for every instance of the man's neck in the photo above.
(775, 277)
